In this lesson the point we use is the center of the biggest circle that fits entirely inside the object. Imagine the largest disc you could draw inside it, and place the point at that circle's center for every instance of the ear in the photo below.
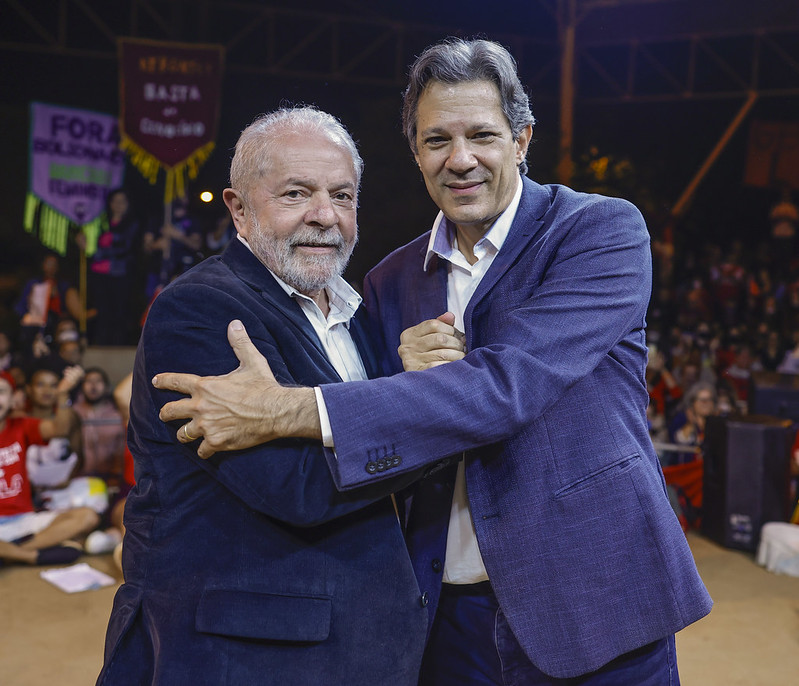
(237, 209)
(523, 142)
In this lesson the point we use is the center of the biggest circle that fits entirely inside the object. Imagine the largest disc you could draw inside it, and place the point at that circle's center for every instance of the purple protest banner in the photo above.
(75, 160)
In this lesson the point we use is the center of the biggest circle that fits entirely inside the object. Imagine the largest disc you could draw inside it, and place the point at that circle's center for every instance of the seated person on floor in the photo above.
(55, 469)
(28, 536)
(102, 428)
(104, 453)
(42, 403)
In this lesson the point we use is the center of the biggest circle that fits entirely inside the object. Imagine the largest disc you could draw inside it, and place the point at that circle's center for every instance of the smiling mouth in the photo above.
(317, 247)
(463, 187)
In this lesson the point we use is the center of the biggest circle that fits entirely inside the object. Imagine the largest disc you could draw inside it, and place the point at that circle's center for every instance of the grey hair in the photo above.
(693, 393)
(455, 60)
(259, 140)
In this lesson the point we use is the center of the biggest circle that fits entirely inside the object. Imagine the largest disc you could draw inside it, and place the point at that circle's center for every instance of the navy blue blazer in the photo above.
(250, 567)
(586, 557)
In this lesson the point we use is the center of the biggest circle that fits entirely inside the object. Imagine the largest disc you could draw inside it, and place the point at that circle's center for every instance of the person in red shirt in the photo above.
(28, 536)
(664, 391)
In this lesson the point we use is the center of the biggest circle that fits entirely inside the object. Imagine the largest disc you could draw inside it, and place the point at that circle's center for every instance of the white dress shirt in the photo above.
(333, 331)
(463, 563)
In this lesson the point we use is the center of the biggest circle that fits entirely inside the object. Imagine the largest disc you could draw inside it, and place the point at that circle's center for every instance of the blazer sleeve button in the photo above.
(371, 467)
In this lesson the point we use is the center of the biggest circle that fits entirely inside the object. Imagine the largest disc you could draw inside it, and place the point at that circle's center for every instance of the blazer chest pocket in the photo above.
(265, 616)
(600, 476)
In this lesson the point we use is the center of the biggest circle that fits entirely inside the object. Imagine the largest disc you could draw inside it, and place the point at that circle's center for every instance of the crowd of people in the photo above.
(129, 260)
(717, 316)
(721, 319)
(64, 465)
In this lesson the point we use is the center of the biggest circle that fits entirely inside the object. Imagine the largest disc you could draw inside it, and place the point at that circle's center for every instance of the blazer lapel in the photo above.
(249, 269)
(528, 221)
(359, 330)
(430, 289)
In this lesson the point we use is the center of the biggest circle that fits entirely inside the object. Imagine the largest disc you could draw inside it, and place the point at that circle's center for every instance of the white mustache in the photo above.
(317, 244)
(313, 239)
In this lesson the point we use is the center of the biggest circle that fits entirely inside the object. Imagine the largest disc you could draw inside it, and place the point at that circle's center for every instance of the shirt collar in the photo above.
(343, 299)
(442, 237)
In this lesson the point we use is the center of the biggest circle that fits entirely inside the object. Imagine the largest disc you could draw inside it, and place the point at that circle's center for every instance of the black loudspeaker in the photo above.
(774, 394)
(746, 480)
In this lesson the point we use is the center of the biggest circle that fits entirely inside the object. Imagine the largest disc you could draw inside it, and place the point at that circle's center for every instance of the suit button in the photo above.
(396, 460)
(424, 599)
(371, 467)
(437, 566)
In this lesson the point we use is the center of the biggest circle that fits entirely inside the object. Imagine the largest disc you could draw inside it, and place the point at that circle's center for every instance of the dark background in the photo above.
(664, 138)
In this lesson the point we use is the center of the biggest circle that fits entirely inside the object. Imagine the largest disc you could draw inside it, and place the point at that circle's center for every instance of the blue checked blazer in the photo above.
(586, 557)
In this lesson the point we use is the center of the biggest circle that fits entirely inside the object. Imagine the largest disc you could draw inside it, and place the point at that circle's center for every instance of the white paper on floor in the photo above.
(79, 577)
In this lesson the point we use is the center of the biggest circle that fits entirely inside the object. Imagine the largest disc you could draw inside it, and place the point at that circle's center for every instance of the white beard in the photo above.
(307, 273)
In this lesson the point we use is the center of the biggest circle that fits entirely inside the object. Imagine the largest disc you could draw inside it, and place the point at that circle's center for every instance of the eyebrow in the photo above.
(298, 181)
(432, 130)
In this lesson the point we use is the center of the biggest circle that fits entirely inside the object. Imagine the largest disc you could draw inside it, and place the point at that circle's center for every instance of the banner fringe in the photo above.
(52, 228)
(31, 203)
(176, 182)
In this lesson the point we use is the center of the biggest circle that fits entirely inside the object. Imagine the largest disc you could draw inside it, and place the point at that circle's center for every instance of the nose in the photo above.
(321, 212)
(461, 159)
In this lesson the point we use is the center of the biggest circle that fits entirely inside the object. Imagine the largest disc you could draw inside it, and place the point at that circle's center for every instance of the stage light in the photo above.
(206, 196)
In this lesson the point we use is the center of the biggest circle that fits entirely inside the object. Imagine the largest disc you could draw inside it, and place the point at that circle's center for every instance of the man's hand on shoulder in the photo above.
(431, 343)
(241, 409)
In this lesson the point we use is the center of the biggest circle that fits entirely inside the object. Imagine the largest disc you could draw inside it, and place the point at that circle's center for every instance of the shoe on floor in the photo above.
(59, 554)
(101, 542)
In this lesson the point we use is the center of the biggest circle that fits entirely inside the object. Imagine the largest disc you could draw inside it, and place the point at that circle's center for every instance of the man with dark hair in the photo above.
(253, 568)
(103, 431)
(550, 552)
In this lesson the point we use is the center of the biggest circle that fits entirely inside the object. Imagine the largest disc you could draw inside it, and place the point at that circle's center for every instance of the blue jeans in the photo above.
(472, 644)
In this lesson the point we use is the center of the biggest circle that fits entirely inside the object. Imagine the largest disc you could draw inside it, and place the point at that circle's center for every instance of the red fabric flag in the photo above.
(773, 154)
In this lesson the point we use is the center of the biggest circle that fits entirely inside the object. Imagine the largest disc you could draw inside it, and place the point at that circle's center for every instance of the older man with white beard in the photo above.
(250, 568)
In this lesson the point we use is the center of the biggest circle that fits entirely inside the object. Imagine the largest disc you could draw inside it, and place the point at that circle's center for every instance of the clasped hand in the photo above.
(431, 343)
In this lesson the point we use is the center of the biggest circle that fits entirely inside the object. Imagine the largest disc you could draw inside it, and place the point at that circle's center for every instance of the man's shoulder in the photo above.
(201, 271)
(562, 208)
(568, 197)
(412, 253)
(206, 290)
(20, 426)
(562, 197)
(22, 420)
(212, 274)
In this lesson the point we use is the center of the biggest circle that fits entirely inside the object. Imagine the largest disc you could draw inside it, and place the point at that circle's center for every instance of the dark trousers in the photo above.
(471, 643)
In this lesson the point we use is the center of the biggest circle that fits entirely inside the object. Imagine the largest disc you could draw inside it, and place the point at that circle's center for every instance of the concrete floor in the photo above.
(50, 638)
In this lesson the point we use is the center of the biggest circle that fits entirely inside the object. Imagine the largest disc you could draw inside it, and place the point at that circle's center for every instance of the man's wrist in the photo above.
(297, 415)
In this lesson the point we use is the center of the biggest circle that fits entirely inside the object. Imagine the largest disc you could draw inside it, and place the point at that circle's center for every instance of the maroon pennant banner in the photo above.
(169, 107)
